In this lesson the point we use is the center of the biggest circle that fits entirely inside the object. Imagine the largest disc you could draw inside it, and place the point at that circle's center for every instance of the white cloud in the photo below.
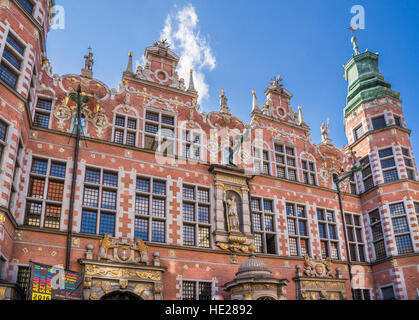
(183, 34)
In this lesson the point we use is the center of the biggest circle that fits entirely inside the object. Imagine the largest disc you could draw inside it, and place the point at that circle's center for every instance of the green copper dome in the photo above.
(365, 82)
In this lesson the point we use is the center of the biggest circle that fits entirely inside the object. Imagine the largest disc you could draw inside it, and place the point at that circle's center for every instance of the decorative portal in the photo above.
(233, 224)
(317, 281)
(121, 269)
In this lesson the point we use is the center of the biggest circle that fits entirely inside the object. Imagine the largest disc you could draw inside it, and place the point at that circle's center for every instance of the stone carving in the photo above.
(223, 103)
(232, 213)
(123, 250)
(320, 269)
(88, 61)
(325, 132)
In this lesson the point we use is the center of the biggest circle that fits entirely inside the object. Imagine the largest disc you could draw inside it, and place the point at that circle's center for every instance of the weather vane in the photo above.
(353, 39)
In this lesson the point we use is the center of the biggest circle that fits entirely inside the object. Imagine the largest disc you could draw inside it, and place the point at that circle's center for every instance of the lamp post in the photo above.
(79, 99)
(337, 180)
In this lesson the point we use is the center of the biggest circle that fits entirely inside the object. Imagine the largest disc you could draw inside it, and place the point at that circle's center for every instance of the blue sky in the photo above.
(306, 42)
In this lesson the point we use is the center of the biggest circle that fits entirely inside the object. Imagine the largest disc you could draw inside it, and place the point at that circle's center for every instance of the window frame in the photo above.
(17, 72)
(407, 157)
(297, 236)
(101, 187)
(378, 240)
(41, 111)
(352, 228)
(328, 240)
(311, 174)
(196, 288)
(370, 176)
(285, 166)
(391, 168)
(401, 234)
(195, 223)
(378, 126)
(125, 129)
(261, 158)
(263, 232)
(159, 138)
(187, 140)
(43, 199)
(149, 217)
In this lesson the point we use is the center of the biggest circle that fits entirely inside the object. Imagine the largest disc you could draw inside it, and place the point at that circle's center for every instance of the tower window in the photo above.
(401, 228)
(410, 170)
(397, 121)
(355, 238)
(27, 5)
(358, 132)
(377, 234)
(192, 144)
(367, 177)
(388, 165)
(378, 122)
(3, 131)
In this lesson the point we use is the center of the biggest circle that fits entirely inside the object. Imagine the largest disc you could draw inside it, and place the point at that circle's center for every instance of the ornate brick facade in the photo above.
(152, 166)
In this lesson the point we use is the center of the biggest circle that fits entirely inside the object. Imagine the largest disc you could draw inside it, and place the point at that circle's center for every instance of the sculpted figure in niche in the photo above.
(232, 214)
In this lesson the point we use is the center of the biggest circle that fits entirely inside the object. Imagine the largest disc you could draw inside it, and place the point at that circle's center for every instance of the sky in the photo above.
(242, 45)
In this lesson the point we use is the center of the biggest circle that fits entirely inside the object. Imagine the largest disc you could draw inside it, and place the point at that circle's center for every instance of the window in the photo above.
(367, 174)
(352, 185)
(297, 230)
(125, 130)
(11, 62)
(196, 290)
(328, 234)
(285, 162)
(388, 165)
(17, 166)
(378, 122)
(45, 194)
(196, 217)
(410, 170)
(150, 210)
(377, 235)
(3, 134)
(388, 293)
(42, 113)
(362, 294)
(27, 5)
(417, 210)
(358, 132)
(263, 225)
(355, 238)
(99, 202)
(23, 275)
(2, 268)
(309, 172)
(159, 131)
(401, 228)
(397, 121)
(192, 144)
(261, 161)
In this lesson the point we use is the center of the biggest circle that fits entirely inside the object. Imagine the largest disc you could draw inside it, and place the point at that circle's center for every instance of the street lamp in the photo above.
(337, 180)
(80, 99)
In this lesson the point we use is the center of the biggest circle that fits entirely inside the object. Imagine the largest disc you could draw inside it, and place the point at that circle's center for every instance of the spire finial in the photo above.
(129, 65)
(191, 87)
(354, 40)
(255, 105)
(87, 71)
